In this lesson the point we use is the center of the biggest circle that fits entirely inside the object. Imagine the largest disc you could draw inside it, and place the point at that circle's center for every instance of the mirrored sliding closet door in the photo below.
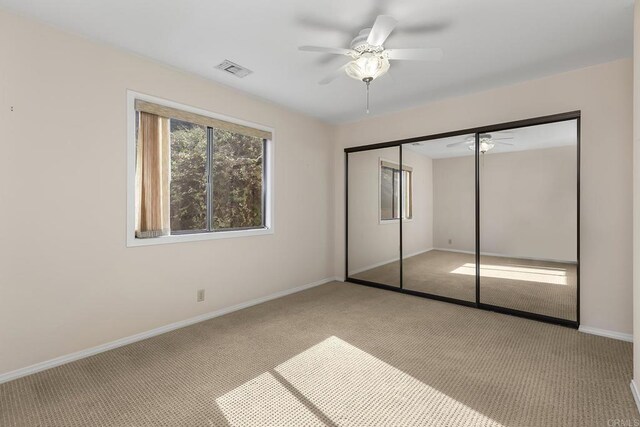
(528, 192)
(375, 206)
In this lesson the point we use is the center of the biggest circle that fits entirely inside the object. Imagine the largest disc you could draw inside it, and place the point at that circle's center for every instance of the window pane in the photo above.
(406, 194)
(386, 193)
(237, 181)
(188, 186)
(396, 194)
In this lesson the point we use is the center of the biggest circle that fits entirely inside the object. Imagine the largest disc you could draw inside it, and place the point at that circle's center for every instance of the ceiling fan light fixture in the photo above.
(368, 66)
(484, 146)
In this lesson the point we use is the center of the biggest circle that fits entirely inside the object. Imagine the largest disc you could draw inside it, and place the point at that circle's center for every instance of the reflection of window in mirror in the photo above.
(390, 191)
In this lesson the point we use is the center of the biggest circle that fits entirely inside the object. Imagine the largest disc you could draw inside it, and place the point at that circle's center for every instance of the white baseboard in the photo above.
(378, 264)
(42, 366)
(505, 256)
(634, 392)
(604, 333)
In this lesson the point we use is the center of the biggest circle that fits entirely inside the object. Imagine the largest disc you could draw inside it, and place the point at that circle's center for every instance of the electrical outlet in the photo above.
(449, 241)
(200, 295)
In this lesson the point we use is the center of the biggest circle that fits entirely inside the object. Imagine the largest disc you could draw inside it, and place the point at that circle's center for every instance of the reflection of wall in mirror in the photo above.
(528, 204)
(373, 242)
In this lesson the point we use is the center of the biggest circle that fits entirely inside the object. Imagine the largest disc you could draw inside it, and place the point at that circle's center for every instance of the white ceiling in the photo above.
(486, 43)
(549, 135)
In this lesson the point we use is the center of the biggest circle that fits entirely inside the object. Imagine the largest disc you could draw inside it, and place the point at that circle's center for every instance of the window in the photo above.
(390, 191)
(196, 176)
(216, 179)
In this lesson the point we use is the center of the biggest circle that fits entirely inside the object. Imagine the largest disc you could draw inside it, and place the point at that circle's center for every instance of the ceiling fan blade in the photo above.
(501, 143)
(432, 54)
(334, 75)
(335, 50)
(381, 29)
(457, 143)
(498, 139)
(426, 28)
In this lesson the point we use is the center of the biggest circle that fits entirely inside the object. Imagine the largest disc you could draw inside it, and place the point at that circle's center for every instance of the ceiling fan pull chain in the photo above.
(367, 82)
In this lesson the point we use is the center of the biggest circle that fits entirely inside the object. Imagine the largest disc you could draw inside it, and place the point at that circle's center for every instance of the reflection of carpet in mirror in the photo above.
(540, 287)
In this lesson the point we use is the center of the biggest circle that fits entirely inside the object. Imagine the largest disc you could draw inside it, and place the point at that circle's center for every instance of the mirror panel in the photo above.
(528, 219)
(374, 185)
(439, 237)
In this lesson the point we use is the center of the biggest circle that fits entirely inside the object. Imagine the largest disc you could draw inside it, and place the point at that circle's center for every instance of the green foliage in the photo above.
(188, 176)
(236, 179)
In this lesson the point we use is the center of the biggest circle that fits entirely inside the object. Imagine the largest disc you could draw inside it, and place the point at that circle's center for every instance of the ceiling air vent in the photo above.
(233, 68)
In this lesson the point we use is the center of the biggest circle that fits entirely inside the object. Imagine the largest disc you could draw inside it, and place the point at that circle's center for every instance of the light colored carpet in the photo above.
(541, 287)
(340, 355)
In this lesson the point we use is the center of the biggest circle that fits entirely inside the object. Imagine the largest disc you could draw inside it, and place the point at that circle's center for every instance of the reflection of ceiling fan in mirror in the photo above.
(487, 142)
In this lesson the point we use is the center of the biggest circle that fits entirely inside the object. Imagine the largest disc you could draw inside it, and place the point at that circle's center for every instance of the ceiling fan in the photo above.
(369, 58)
(487, 142)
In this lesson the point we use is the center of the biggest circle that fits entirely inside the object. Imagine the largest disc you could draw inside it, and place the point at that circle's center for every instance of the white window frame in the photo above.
(395, 220)
(132, 241)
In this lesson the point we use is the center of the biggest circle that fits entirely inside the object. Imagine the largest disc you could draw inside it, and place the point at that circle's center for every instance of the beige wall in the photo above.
(454, 203)
(67, 281)
(636, 195)
(417, 234)
(604, 94)
(528, 204)
(371, 242)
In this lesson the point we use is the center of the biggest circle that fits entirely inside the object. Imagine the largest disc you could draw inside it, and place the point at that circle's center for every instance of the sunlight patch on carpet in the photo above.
(345, 386)
(264, 401)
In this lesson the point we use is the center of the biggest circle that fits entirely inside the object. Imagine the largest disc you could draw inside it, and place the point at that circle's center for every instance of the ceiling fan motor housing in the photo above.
(360, 45)
(360, 42)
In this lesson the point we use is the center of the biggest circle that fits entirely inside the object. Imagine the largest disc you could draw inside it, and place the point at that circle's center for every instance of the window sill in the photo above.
(196, 237)
(393, 221)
